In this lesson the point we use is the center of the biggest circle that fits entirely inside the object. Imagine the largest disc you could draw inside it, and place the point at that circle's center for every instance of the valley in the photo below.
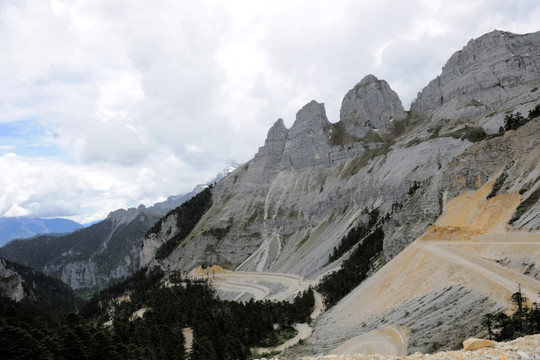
(388, 231)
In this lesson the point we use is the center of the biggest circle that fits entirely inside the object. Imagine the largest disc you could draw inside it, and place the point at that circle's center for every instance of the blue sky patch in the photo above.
(28, 138)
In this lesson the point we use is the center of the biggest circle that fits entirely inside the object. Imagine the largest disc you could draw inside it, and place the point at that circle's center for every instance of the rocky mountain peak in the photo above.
(312, 115)
(494, 70)
(275, 140)
(268, 158)
(371, 104)
(307, 140)
(278, 129)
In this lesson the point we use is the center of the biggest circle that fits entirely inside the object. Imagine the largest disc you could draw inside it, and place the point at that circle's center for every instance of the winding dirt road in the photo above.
(261, 285)
(500, 275)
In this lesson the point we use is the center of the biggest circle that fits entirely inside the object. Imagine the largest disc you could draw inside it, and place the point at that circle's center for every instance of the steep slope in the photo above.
(22, 283)
(93, 257)
(462, 267)
(90, 257)
(22, 227)
(287, 208)
(110, 250)
(493, 73)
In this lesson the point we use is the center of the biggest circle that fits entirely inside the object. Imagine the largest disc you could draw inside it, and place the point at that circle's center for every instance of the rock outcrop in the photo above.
(22, 283)
(268, 158)
(371, 104)
(475, 344)
(10, 282)
(494, 72)
(307, 140)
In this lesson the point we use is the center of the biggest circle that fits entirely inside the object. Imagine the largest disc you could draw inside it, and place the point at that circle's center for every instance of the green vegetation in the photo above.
(45, 292)
(498, 185)
(354, 235)
(187, 216)
(528, 186)
(362, 160)
(524, 321)
(534, 112)
(279, 336)
(27, 332)
(222, 329)
(218, 233)
(354, 270)
(515, 121)
(525, 205)
(340, 136)
(415, 186)
(435, 131)
(372, 136)
(82, 246)
(471, 133)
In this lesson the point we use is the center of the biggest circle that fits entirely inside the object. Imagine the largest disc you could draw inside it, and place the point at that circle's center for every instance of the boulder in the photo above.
(474, 343)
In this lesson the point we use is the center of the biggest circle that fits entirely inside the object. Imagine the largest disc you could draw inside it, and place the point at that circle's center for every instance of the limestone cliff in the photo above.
(287, 208)
(371, 104)
(22, 283)
(10, 282)
(491, 74)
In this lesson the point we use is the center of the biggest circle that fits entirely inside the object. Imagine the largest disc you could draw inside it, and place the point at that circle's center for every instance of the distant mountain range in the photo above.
(25, 227)
(97, 255)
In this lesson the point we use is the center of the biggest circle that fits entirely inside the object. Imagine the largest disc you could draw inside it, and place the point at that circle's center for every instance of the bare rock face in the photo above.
(498, 67)
(10, 283)
(286, 209)
(275, 141)
(307, 140)
(268, 159)
(371, 104)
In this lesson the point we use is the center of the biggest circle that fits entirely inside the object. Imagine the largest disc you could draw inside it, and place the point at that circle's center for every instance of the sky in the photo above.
(109, 104)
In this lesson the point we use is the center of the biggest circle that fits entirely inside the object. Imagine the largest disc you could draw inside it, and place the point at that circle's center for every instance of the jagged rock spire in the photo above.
(307, 141)
(371, 104)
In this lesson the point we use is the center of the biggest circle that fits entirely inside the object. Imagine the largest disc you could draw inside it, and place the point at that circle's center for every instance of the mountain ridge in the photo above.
(26, 227)
(387, 165)
(102, 253)
(289, 207)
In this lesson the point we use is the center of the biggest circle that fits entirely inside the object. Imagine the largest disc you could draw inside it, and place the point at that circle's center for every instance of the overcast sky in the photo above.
(109, 104)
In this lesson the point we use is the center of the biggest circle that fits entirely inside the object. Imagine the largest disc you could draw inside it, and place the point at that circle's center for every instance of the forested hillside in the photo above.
(107, 327)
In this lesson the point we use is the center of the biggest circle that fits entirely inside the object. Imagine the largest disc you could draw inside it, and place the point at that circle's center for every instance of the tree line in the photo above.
(524, 321)
(187, 216)
(336, 285)
(515, 121)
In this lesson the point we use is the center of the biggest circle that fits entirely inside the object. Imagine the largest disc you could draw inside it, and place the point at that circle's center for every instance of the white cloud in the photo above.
(142, 100)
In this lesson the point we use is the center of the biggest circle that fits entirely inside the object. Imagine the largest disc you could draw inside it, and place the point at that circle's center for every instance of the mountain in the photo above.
(471, 134)
(414, 224)
(23, 227)
(95, 256)
(22, 283)
(309, 184)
